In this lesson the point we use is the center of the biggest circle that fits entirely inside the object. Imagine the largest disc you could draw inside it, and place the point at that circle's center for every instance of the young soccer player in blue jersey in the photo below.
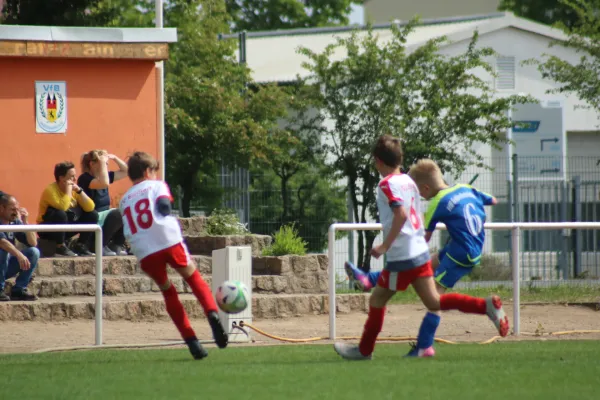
(461, 209)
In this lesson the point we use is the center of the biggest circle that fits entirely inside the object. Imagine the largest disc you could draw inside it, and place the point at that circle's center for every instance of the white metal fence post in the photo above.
(515, 236)
(514, 227)
(97, 248)
(330, 257)
(98, 309)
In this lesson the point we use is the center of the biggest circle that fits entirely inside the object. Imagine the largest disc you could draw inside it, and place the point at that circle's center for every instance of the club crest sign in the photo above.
(50, 107)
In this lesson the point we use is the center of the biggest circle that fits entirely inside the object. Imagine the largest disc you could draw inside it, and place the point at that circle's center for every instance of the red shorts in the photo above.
(155, 264)
(400, 281)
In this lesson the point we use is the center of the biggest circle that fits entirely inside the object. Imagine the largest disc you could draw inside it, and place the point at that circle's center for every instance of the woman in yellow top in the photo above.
(63, 202)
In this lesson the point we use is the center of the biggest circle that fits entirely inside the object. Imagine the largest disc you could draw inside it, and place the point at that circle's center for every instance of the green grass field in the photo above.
(513, 371)
(553, 294)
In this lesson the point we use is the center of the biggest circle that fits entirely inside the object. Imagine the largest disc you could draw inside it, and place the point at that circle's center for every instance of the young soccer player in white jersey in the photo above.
(407, 259)
(156, 240)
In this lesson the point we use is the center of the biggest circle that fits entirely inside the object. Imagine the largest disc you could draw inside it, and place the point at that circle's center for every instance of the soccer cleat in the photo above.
(198, 352)
(421, 353)
(350, 352)
(496, 314)
(219, 333)
(361, 279)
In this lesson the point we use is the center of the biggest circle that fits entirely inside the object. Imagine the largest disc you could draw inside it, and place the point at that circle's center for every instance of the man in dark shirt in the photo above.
(14, 262)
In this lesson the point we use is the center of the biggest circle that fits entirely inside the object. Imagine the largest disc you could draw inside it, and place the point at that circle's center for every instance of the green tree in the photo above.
(210, 118)
(46, 12)
(436, 104)
(257, 15)
(582, 78)
(122, 13)
(547, 12)
(313, 204)
(294, 145)
(292, 183)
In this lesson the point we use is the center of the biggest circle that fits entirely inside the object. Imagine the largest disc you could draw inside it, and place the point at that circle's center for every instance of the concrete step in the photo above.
(149, 307)
(127, 265)
(122, 265)
(204, 245)
(85, 285)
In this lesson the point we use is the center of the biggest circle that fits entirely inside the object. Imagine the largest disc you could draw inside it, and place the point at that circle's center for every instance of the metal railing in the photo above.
(514, 227)
(97, 249)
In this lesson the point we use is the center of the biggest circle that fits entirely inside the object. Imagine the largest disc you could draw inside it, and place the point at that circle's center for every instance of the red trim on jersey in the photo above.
(385, 187)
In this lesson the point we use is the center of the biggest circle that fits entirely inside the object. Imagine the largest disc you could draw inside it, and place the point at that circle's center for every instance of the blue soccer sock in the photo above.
(427, 331)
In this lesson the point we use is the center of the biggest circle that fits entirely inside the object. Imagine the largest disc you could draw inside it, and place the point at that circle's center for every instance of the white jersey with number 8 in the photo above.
(146, 230)
(395, 191)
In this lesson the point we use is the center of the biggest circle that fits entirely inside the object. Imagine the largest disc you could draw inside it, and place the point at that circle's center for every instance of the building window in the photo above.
(505, 73)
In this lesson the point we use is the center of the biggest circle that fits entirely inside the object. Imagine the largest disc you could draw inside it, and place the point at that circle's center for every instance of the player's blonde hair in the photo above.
(426, 172)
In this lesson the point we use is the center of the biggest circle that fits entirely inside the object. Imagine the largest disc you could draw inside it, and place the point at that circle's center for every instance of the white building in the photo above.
(273, 57)
(383, 11)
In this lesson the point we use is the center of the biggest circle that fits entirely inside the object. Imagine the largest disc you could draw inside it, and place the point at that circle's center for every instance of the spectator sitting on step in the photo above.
(95, 181)
(64, 202)
(14, 262)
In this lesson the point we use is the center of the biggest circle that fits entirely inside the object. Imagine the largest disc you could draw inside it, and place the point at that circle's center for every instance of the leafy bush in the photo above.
(224, 222)
(491, 269)
(286, 241)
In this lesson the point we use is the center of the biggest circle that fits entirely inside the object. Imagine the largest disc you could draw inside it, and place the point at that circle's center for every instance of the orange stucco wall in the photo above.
(111, 104)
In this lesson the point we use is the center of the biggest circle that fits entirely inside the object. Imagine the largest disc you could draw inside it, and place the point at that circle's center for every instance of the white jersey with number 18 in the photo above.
(146, 230)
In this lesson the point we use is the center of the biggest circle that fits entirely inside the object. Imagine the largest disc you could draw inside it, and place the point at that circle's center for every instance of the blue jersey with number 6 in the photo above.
(461, 209)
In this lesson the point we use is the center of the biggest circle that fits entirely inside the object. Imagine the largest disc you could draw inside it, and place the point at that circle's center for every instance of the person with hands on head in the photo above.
(64, 202)
(15, 262)
(95, 181)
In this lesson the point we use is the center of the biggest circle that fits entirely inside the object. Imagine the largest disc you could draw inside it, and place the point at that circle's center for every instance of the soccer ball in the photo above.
(232, 297)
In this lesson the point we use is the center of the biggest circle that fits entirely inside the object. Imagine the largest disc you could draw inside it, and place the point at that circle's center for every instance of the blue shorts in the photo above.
(455, 263)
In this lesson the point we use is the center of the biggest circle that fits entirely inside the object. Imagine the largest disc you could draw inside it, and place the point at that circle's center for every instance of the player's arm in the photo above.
(396, 203)
(163, 200)
(428, 235)
(430, 220)
(163, 205)
(487, 199)
(398, 222)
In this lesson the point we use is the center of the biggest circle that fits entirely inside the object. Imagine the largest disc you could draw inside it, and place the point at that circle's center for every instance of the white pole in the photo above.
(161, 96)
(331, 257)
(97, 248)
(514, 227)
(515, 236)
(98, 312)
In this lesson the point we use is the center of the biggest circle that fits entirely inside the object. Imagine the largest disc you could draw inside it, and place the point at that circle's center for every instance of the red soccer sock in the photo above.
(462, 302)
(202, 292)
(372, 328)
(177, 313)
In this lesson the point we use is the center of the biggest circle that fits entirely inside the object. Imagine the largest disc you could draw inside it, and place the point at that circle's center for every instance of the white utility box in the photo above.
(234, 264)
